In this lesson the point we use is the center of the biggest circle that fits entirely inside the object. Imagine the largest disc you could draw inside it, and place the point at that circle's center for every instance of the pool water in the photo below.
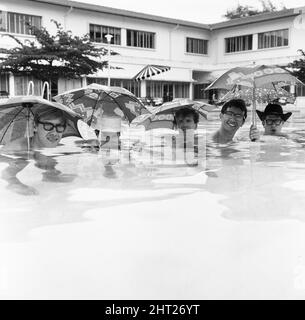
(129, 225)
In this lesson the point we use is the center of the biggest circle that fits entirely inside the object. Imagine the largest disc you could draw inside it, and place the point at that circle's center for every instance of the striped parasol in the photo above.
(150, 71)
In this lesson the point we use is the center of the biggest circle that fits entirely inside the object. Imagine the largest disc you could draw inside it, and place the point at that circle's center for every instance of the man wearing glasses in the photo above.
(49, 126)
(233, 116)
(273, 119)
(48, 129)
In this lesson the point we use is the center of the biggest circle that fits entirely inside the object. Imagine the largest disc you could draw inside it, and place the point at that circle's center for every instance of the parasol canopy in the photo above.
(164, 116)
(254, 76)
(262, 95)
(17, 117)
(92, 101)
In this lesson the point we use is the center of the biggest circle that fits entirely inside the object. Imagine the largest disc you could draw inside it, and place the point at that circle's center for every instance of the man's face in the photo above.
(186, 122)
(273, 124)
(232, 119)
(48, 133)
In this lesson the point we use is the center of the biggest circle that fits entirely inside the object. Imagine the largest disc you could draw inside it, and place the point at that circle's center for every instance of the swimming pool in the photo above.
(141, 228)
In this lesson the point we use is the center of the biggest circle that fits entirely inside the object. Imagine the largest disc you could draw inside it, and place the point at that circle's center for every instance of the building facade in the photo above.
(197, 53)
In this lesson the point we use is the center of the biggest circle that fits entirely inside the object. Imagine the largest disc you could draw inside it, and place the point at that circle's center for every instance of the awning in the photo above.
(149, 71)
(129, 71)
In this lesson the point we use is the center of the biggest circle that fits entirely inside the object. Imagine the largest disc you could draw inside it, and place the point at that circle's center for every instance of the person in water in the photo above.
(273, 119)
(233, 116)
(49, 126)
(186, 119)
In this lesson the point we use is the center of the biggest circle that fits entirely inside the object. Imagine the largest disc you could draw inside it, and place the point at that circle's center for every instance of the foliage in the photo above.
(50, 57)
(298, 67)
(246, 11)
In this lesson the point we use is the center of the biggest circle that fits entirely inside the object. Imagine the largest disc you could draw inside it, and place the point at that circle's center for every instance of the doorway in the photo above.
(168, 92)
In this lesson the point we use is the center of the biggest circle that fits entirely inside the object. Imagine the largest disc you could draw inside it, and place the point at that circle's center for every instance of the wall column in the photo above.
(191, 91)
(143, 88)
(255, 42)
(124, 37)
(11, 82)
(84, 81)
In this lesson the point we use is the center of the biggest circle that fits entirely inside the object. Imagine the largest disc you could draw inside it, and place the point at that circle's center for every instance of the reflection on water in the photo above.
(257, 181)
(134, 224)
(19, 161)
(63, 186)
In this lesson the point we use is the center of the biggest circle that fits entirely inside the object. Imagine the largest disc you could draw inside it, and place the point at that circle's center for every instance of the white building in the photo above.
(197, 53)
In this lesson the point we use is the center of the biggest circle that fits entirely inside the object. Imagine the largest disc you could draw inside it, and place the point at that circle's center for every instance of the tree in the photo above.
(246, 11)
(298, 67)
(50, 57)
(240, 12)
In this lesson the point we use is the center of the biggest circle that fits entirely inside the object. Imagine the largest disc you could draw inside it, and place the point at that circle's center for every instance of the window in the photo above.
(4, 85)
(154, 89)
(199, 92)
(167, 90)
(98, 33)
(101, 81)
(182, 90)
(272, 39)
(300, 90)
(17, 22)
(198, 46)
(22, 82)
(130, 85)
(141, 39)
(242, 43)
(3, 20)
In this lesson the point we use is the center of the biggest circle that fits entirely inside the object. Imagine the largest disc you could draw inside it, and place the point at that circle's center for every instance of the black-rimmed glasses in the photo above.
(276, 122)
(60, 128)
(237, 116)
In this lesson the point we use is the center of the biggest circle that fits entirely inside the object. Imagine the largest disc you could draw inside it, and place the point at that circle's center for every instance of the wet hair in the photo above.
(186, 112)
(237, 103)
(49, 114)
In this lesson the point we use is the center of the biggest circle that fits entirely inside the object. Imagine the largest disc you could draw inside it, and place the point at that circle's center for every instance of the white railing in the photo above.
(30, 90)
(46, 87)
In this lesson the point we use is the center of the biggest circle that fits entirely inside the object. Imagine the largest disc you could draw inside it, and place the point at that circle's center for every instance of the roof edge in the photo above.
(123, 12)
(256, 18)
(144, 16)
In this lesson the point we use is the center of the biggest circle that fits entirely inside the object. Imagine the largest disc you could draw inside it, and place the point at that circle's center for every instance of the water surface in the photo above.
(129, 225)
